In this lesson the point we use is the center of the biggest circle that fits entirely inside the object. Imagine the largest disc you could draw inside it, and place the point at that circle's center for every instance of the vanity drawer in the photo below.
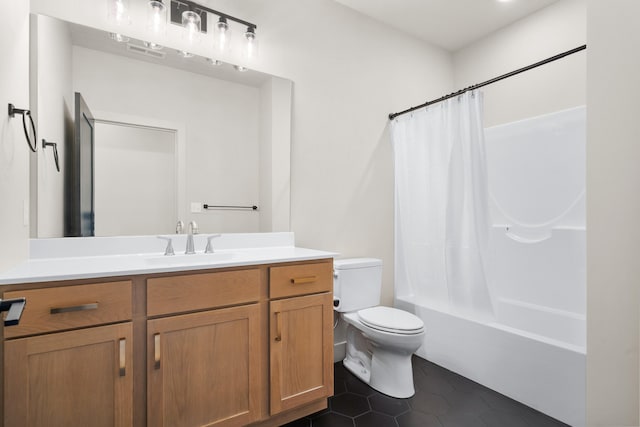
(70, 307)
(300, 279)
(176, 294)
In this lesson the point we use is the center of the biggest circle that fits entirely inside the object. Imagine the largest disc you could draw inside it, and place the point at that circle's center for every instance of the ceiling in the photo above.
(450, 24)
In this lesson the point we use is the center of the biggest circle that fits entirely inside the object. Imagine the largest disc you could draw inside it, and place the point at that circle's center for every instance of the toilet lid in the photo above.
(391, 320)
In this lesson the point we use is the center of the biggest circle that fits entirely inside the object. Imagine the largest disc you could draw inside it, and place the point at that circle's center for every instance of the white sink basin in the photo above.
(193, 259)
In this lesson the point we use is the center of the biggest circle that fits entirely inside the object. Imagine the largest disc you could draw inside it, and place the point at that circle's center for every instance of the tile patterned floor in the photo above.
(443, 399)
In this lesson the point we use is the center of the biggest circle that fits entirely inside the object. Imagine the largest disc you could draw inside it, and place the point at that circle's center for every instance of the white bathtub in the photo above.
(543, 373)
(535, 349)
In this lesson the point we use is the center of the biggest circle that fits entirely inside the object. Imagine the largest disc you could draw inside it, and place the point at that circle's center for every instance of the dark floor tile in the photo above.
(461, 401)
(461, 419)
(417, 419)
(432, 384)
(349, 404)
(429, 403)
(388, 405)
(340, 372)
(320, 413)
(339, 386)
(375, 419)
(501, 402)
(443, 399)
(431, 368)
(494, 418)
(355, 385)
(302, 422)
(332, 420)
(538, 419)
(463, 384)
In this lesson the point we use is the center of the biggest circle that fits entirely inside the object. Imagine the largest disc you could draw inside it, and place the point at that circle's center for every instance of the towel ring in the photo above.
(12, 112)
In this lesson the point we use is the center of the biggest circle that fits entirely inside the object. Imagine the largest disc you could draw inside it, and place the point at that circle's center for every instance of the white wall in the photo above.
(54, 115)
(221, 121)
(266, 141)
(552, 87)
(135, 186)
(14, 153)
(613, 210)
(275, 154)
(349, 72)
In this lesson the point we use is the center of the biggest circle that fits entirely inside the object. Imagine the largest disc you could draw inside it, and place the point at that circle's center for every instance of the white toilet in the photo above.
(380, 340)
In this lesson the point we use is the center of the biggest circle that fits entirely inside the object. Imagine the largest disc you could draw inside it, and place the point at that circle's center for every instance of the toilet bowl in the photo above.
(380, 340)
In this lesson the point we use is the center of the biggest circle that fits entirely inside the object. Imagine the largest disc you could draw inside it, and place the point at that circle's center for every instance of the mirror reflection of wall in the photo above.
(232, 130)
(135, 174)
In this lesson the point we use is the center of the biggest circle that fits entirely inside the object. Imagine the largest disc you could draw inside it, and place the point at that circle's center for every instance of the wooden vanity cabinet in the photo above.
(301, 335)
(76, 377)
(229, 347)
(204, 367)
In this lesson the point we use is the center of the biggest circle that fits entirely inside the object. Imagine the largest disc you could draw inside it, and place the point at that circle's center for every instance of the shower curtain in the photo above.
(441, 205)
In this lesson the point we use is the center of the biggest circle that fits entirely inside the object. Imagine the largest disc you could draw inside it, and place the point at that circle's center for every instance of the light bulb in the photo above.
(191, 24)
(240, 68)
(222, 35)
(156, 17)
(118, 12)
(250, 47)
(185, 54)
(214, 62)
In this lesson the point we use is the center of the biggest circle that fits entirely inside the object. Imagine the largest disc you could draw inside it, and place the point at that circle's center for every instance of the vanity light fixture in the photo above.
(214, 62)
(118, 12)
(240, 68)
(185, 54)
(156, 17)
(222, 29)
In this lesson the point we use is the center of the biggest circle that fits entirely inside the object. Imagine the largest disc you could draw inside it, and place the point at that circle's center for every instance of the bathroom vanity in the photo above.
(243, 339)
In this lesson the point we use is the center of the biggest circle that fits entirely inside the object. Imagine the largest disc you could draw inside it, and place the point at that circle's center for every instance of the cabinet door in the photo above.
(77, 378)
(204, 368)
(301, 350)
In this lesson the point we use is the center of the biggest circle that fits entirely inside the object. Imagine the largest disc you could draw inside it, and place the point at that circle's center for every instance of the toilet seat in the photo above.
(391, 320)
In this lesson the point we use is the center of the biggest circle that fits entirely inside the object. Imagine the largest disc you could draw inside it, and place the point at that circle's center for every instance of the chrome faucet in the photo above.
(179, 227)
(192, 229)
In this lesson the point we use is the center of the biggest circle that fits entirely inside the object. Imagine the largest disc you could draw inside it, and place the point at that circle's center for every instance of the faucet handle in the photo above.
(193, 226)
(169, 249)
(179, 227)
(209, 248)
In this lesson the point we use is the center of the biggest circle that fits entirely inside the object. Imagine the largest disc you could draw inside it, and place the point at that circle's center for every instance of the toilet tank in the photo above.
(357, 283)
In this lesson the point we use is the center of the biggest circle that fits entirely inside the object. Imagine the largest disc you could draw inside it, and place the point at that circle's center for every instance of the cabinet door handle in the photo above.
(72, 308)
(123, 357)
(303, 280)
(156, 351)
(278, 327)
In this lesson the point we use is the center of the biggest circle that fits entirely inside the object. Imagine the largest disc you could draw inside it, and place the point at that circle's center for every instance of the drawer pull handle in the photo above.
(123, 357)
(302, 280)
(278, 327)
(156, 351)
(70, 309)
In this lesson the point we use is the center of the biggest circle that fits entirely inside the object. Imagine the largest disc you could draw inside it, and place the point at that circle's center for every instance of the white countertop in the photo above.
(59, 259)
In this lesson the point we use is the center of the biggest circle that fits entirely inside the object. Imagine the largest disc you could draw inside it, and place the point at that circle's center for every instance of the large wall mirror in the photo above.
(172, 132)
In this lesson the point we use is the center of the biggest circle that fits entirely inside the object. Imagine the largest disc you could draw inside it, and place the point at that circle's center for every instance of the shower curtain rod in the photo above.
(488, 82)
